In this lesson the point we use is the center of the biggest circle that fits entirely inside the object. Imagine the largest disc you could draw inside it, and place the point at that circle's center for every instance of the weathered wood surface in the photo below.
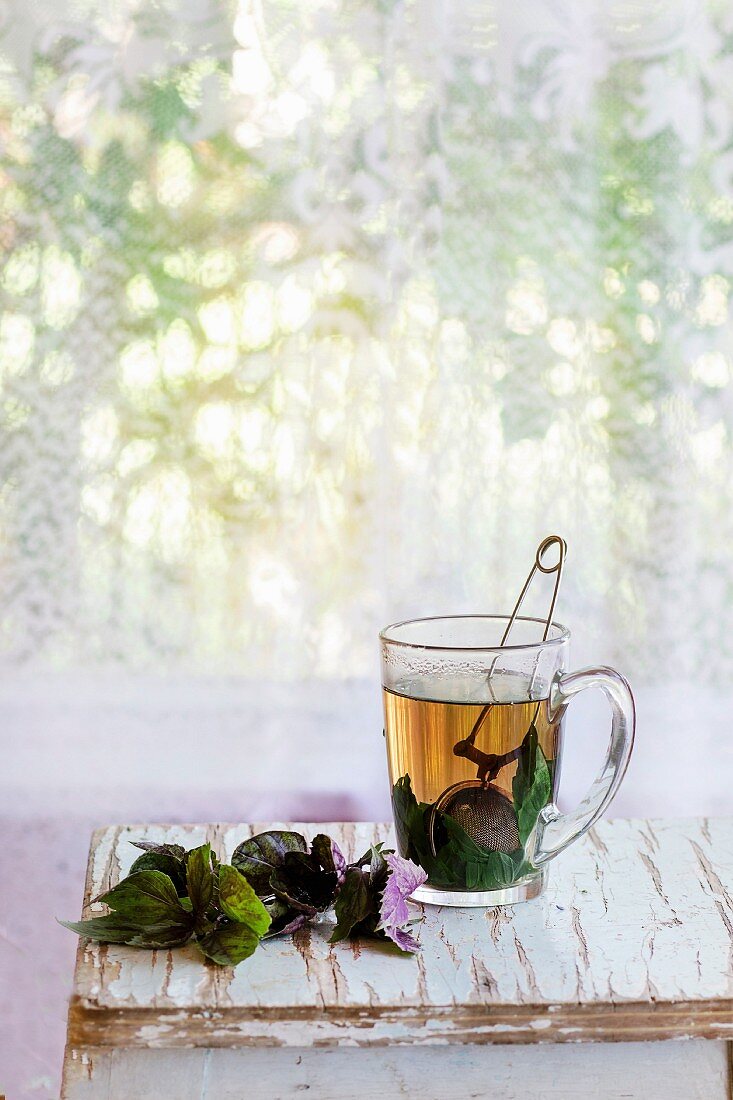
(695, 1070)
(632, 940)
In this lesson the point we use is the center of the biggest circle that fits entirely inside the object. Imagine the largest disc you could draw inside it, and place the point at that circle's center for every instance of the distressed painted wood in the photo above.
(695, 1070)
(633, 940)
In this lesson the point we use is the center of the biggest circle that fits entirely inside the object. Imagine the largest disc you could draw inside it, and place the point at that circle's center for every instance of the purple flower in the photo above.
(404, 878)
(339, 861)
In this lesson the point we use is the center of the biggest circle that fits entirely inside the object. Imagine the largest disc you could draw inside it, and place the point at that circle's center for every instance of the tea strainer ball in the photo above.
(483, 812)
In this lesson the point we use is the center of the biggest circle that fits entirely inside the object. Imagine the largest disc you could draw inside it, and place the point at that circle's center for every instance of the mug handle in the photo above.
(554, 831)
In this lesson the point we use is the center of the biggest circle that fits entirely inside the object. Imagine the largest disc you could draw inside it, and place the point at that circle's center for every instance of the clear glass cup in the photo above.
(474, 735)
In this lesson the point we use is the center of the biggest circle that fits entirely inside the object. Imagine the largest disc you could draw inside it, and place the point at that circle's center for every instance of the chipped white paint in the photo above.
(632, 1071)
(633, 939)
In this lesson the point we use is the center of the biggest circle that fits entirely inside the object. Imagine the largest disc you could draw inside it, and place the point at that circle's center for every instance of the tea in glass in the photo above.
(474, 730)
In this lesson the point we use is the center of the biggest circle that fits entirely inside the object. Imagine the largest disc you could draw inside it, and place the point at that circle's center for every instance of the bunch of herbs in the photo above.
(274, 885)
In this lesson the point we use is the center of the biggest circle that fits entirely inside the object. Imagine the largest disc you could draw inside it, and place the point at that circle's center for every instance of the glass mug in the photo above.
(474, 736)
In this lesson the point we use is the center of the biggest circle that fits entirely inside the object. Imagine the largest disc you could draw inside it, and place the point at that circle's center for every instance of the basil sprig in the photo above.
(274, 885)
(172, 896)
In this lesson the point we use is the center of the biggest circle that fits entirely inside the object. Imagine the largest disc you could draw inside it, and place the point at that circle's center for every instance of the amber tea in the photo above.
(474, 708)
(469, 779)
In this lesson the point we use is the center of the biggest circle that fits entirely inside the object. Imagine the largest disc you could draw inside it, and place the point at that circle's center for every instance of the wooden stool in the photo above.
(585, 992)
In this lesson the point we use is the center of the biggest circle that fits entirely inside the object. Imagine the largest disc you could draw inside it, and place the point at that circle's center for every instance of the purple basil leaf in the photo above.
(257, 857)
(405, 877)
(177, 851)
(283, 917)
(402, 938)
(322, 852)
(156, 859)
(300, 881)
(297, 921)
(339, 861)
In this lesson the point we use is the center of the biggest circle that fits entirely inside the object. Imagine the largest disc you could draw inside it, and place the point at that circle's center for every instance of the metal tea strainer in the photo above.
(483, 811)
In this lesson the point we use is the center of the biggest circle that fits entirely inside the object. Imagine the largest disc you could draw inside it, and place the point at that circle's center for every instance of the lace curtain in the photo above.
(320, 313)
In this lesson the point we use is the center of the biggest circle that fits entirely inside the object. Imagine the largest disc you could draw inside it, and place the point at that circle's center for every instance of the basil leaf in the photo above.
(200, 879)
(239, 902)
(176, 851)
(165, 934)
(354, 903)
(259, 856)
(146, 897)
(532, 785)
(229, 944)
(323, 851)
(167, 864)
(464, 844)
(378, 868)
(369, 854)
(408, 817)
(399, 942)
(114, 929)
(108, 929)
(283, 918)
(412, 823)
(300, 881)
(493, 872)
(482, 868)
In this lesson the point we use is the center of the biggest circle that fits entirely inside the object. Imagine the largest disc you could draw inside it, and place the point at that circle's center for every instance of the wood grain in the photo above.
(694, 1070)
(632, 939)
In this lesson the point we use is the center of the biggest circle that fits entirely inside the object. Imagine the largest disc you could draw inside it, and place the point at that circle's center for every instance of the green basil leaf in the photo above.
(482, 868)
(108, 929)
(354, 903)
(229, 944)
(413, 820)
(492, 872)
(460, 839)
(114, 929)
(412, 823)
(239, 902)
(146, 897)
(200, 879)
(165, 934)
(378, 867)
(259, 856)
(368, 856)
(532, 784)
(409, 821)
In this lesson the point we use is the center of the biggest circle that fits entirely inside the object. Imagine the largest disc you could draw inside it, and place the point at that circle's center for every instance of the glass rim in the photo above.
(563, 634)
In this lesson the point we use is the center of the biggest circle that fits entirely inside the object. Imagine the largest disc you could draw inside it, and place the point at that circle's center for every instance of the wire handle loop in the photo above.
(540, 566)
